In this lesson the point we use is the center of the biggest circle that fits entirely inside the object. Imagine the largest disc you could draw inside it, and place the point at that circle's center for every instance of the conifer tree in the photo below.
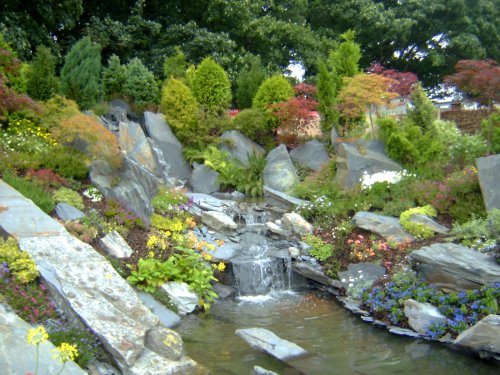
(141, 84)
(248, 83)
(113, 78)
(211, 87)
(176, 65)
(326, 93)
(81, 72)
(423, 113)
(42, 82)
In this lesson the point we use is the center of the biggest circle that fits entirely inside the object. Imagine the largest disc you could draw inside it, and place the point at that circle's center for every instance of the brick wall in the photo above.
(469, 121)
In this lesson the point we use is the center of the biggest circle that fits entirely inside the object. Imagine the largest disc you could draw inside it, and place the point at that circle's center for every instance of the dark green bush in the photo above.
(253, 123)
(66, 162)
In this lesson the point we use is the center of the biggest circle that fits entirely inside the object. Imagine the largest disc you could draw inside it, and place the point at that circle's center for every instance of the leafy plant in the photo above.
(170, 201)
(20, 264)
(319, 249)
(32, 191)
(85, 231)
(86, 343)
(68, 163)
(46, 177)
(419, 230)
(68, 196)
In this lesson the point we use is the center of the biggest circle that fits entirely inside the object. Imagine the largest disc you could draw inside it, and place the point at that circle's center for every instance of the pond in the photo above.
(338, 342)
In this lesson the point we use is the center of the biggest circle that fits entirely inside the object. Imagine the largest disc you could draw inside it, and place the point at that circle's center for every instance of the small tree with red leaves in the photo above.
(404, 82)
(295, 115)
(479, 78)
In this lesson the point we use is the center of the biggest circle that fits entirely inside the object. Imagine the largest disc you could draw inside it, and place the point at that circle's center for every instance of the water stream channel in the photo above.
(271, 297)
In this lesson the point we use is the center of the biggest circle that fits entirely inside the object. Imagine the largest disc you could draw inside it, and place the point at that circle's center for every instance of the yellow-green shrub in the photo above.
(417, 229)
(69, 196)
(20, 263)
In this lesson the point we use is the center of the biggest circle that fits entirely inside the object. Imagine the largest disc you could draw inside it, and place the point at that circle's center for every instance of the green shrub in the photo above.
(423, 112)
(81, 73)
(169, 201)
(113, 78)
(491, 132)
(319, 249)
(140, 84)
(182, 112)
(66, 162)
(417, 229)
(481, 234)
(69, 196)
(275, 89)
(175, 66)
(32, 191)
(19, 262)
(253, 123)
(84, 231)
(211, 87)
(42, 82)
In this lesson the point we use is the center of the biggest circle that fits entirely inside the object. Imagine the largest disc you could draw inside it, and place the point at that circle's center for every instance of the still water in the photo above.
(338, 342)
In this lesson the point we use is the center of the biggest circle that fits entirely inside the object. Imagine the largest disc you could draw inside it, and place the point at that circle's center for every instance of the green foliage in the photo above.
(140, 84)
(185, 265)
(343, 61)
(86, 343)
(423, 113)
(175, 66)
(461, 149)
(68, 196)
(174, 224)
(181, 111)
(252, 122)
(319, 249)
(418, 230)
(42, 82)
(32, 191)
(84, 231)
(250, 180)
(114, 77)
(491, 132)
(19, 262)
(81, 72)
(273, 90)
(66, 162)
(327, 93)
(169, 201)
(481, 234)
(248, 83)
(211, 87)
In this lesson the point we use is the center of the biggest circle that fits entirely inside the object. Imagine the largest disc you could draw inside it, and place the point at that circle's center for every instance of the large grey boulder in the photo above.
(279, 173)
(166, 316)
(455, 267)
(354, 159)
(183, 298)
(171, 149)
(312, 154)
(422, 315)
(17, 356)
(488, 171)
(359, 276)
(483, 337)
(268, 342)
(218, 220)
(204, 180)
(150, 363)
(67, 212)
(385, 226)
(115, 245)
(294, 222)
(134, 143)
(240, 146)
(312, 272)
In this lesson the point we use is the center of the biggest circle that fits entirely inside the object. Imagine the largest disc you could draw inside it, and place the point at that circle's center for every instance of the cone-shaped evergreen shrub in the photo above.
(113, 78)
(211, 87)
(141, 84)
(42, 81)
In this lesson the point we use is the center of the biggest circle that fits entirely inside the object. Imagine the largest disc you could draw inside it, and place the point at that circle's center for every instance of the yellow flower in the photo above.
(37, 335)
(219, 242)
(151, 254)
(65, 352)
(221, 266)
(207, 256)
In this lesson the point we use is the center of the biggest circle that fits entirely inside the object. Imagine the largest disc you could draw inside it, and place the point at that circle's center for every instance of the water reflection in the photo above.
(339, 342)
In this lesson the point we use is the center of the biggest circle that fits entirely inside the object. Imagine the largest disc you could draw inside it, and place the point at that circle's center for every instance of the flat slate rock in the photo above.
(17, 356)
(241, 146)
(455, 267)
(116, 246)
(67, 212)
(484, 336)
(385, 226)
(166, 316)
(204, 179)
(311, 272)
(488, 172)
(279, 173)
(268, 342)
(312, 154)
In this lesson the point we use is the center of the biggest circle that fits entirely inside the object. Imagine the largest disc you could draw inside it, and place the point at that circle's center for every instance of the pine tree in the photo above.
(423, 113)
(248, 83)
(212, 88)
(141, 84)
(81, 71)
(42, 82)
(113, 78)
(326, 92)
(176, 65)
(344, 60)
